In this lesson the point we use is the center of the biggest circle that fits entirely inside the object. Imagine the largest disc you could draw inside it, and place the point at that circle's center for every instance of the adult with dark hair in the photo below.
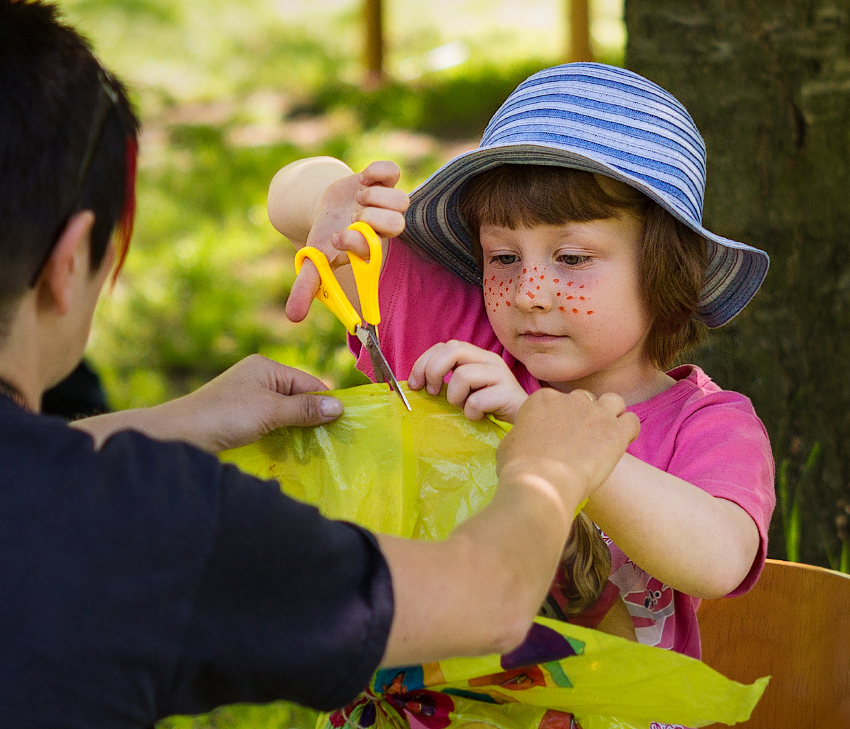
(140, 576)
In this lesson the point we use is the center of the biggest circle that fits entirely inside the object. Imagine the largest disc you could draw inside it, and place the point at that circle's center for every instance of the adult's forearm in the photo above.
(478, 591)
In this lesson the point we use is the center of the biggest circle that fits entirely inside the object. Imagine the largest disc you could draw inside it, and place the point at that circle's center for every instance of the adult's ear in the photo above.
(68, 262)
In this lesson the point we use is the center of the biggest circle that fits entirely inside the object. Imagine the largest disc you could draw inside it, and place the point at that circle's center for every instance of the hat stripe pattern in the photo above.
(600, 119)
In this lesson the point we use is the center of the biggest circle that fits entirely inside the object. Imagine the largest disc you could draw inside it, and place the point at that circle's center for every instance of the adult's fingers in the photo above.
(627, 422)
(304, 410)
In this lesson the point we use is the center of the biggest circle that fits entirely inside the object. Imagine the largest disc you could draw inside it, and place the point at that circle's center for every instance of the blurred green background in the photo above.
(228, 93)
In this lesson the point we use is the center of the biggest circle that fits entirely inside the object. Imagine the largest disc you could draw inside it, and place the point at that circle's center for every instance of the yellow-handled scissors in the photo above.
(366, 275)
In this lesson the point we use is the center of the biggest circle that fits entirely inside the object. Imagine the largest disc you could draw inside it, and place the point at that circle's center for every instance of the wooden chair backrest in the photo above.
(794, 626)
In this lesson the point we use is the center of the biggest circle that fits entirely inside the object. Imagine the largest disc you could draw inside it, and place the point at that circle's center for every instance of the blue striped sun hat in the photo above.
(602, 119)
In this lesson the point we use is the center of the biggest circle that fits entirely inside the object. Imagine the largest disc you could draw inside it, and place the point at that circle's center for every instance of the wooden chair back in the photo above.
(794, 626)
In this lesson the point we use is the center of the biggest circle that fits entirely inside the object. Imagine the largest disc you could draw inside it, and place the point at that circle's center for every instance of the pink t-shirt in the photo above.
(706, 436)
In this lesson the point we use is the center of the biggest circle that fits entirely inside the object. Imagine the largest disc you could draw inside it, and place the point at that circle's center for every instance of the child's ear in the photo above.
(68, 261)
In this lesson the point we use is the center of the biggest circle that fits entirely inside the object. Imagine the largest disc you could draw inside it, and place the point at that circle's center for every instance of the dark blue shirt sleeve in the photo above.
(290, 606)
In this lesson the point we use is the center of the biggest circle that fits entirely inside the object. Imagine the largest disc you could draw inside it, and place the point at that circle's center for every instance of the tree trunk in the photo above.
(579, 47)
(768, 84)
(373, 43)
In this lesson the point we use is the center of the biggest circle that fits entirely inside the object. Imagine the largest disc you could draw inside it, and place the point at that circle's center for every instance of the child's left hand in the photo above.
(481, 382)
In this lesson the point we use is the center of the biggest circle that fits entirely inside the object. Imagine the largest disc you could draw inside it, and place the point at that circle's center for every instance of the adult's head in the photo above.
(68, 143)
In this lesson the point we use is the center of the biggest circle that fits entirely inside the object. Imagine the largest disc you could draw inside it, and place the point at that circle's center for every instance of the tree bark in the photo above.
(579, 46)
(373, 43)
(768, 84)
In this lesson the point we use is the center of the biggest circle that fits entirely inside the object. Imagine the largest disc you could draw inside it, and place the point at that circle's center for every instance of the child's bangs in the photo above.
(512, 195)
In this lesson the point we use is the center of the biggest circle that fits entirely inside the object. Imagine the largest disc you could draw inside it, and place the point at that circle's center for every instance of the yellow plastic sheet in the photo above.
(419, 474)
(411, 474)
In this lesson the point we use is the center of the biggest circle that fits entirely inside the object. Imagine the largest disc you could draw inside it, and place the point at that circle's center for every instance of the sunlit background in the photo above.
(228, 93)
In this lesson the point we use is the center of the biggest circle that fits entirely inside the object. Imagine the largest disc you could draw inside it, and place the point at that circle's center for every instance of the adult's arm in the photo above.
(478, 591)
(238, 407)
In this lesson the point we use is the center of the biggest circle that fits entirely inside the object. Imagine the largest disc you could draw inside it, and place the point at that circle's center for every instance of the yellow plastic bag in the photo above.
(421, 473)
(411, 474)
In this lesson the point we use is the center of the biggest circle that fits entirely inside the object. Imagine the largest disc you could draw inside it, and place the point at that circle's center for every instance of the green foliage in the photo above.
(454, 106)
(790, 500)
(228, 94)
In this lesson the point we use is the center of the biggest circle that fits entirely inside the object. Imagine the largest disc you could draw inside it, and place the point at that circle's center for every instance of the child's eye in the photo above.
(505, 259)
(573, 259)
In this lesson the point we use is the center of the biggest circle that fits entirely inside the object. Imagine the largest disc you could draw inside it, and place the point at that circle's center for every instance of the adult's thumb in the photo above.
(307, 409)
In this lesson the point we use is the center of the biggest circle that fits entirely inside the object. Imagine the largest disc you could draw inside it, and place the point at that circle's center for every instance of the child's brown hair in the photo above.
(672, 256)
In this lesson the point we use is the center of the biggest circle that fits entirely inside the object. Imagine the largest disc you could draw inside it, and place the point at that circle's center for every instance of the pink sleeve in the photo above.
(422, 304)
(723, 448)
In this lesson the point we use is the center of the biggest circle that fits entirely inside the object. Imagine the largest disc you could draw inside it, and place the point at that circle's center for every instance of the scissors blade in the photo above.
(383, 373)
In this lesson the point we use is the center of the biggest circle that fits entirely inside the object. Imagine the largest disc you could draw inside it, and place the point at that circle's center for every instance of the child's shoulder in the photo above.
(692, 391)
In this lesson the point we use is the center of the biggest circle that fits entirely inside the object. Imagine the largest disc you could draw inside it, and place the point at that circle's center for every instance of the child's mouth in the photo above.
(540, 337)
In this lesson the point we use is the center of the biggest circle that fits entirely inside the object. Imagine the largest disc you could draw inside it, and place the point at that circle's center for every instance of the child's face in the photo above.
(566, 301)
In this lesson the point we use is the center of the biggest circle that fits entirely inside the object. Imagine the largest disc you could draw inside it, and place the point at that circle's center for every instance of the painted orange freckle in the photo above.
(589, 312)
(561, 308)
(507, 303)
(510, 281)
(529, 294)
(542, 277)
(569, 283)
(581, 298)
(575, 311)
(556, 280)
(559, 293)
(582, 286)
(569, 298)
(535, 268)
(538, 288)
(492, 278)
(525, 270)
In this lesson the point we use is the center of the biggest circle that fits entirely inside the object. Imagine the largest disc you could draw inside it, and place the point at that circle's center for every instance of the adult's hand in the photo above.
(252, 398)
(571, 439)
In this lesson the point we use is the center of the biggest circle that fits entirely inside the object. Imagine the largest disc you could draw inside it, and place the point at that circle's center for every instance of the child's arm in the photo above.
(683, 536)
(313, 201)
(481, 381)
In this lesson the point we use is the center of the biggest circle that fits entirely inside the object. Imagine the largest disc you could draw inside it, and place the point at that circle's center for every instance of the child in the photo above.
(580, 214)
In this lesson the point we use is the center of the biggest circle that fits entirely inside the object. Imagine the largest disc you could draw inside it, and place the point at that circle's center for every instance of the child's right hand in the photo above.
(329, 209)
(481, 381)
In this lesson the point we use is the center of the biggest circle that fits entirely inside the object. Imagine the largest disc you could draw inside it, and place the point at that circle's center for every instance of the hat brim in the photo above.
(734, 273)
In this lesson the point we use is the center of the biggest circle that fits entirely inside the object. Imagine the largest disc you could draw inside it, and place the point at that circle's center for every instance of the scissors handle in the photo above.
(367, 273)
(366, 276)
(330, 293)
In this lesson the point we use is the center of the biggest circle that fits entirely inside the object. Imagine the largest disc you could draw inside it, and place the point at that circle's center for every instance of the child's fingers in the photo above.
(351, 240)
(436, 362)
(303, 290)
(390, 198)
(387, 223)
(382, 172)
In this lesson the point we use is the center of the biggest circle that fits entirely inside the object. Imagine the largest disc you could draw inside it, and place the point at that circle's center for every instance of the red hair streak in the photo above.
(124, 229)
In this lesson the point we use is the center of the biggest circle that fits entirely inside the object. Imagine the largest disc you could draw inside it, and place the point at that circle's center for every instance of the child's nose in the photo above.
(535, 291)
